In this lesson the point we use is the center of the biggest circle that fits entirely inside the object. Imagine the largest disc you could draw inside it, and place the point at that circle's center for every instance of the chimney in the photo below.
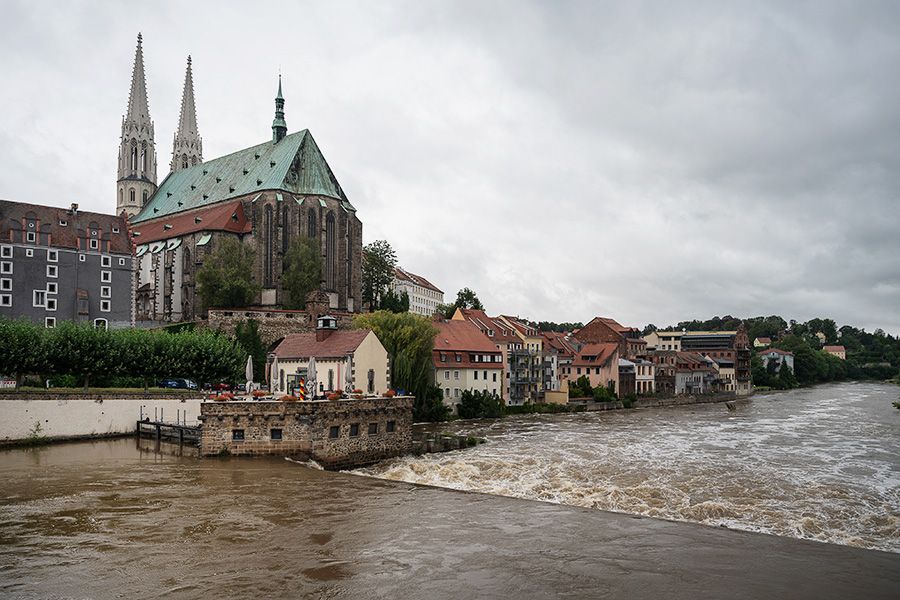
(325, 326)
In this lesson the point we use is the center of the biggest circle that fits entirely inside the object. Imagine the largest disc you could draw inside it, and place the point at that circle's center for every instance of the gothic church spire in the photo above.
(137, 149)
(187, 148)
(279, 127)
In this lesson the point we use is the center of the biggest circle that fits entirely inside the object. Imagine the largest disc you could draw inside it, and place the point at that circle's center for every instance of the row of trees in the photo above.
(88, 353)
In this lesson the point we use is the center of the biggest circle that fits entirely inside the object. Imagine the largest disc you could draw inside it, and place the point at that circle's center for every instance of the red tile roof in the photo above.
(462, 336)
(494, 328)
(405, 276)
(834, 349)
(601, 354)
(78, 222)
(221, 217)
(336, 345)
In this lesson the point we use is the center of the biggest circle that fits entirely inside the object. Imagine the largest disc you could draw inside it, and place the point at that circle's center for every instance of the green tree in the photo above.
(465, 298)
(247, 335)
(786, 378)
(480, 404)
(81, 350)
(396, 303)
(302, 271)
(21, 348)
(409, 339)
(226, 278)
(142, 353)
(379, 262)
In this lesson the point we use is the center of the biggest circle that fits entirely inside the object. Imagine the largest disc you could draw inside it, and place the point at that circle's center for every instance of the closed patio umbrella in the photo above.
(248, 372)
(348, 375)
(273, 376)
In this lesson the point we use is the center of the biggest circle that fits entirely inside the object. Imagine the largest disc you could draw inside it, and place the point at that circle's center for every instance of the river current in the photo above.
(130, 518)
(820, 463)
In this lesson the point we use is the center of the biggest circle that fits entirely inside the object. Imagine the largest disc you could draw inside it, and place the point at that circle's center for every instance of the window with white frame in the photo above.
(6, 251)
(30, 237)
(52, 270)
(49, 322)
(94, 244)
(121, 262)
(105, 276)
(6, 285)
(104, 306)
(81, 257)
(100, 323)
(51, 287)
(105, 261)
(447, 375)
(40, 298)
(51, 303)
(5, 299)
(455, 374)
(29, 252)
(53, 255)
(105, 291)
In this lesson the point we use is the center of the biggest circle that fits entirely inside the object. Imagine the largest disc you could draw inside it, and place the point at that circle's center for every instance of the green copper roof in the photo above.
(294, 165)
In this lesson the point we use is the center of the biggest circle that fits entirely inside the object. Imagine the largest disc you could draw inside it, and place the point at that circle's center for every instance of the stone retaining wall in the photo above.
(383, 429)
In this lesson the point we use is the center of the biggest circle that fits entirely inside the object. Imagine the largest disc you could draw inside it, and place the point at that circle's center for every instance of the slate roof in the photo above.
(294, 165)
(337, 345)
(12, 216)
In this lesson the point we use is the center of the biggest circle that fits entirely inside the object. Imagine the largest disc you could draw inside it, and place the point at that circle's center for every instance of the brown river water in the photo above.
(133, 518)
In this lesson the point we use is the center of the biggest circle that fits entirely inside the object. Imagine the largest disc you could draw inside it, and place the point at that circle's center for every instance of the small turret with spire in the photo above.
(137, 149)
(187, 147)
(279, 127)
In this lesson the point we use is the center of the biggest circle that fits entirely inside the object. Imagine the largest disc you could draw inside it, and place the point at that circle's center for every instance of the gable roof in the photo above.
(77, 224)
(497, 330)
(595, 354)
(403, 276)
(336, 345)
(833, 349)
(222, 217)
(461, 336)
(294, 165)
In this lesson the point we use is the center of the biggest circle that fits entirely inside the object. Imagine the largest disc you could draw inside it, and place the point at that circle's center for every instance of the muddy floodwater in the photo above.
(136, 518)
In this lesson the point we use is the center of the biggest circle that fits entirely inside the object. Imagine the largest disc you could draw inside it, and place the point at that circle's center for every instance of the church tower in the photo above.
(279, 126)
(187, 149)
(137, 150)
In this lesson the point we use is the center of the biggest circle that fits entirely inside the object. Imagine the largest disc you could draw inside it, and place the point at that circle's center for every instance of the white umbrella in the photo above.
(273, 376)
(311, 378)
(248, 372)
(348, 375)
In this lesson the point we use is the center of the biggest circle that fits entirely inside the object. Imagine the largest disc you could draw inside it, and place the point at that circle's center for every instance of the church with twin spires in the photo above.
(264, 196)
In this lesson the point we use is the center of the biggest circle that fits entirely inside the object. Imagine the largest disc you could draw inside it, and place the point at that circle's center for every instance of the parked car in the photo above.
(186, 384)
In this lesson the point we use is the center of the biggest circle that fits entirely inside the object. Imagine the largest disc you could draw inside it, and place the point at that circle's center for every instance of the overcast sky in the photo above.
(648, 161)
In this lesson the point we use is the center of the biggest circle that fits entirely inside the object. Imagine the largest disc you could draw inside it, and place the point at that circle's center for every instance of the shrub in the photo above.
(288, 399)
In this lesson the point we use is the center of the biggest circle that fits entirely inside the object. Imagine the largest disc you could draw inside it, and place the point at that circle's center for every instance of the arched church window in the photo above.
(143, 160)
(269, 244)
(184, 161)
(330, 251)
(285, 231)
(144, 197)
(311, 224)
(134, 155)
(132, 195)
(187, 261)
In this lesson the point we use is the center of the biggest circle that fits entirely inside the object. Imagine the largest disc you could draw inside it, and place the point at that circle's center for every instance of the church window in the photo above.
(132, 195)
(134, 155)
(143, 160)
(285, 231)
(187, 260)
(330, 252)
(269, 243)
(144, 197)
(311, 224)
(184, 161)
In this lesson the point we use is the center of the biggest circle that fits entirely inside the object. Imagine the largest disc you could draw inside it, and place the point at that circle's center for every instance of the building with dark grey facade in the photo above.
(60, 264)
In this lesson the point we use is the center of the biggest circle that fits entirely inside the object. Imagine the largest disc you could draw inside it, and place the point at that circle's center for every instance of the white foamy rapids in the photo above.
(820, 464)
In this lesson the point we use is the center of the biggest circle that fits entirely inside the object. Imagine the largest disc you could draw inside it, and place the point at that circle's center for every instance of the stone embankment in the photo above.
(655, 402)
